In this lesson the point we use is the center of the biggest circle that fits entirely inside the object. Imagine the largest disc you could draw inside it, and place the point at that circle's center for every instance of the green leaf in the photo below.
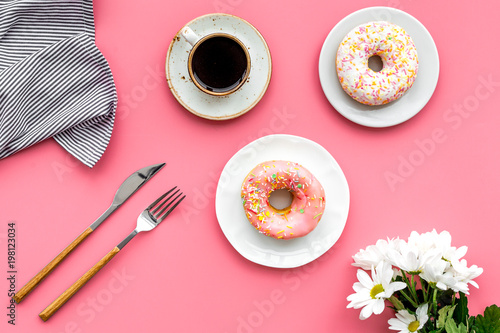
(461, 314)
(444, 314)
(490, 322)
(471, 322)
(451, 327)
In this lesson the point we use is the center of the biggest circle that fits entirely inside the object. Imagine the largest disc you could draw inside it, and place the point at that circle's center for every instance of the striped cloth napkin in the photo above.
(54, 81)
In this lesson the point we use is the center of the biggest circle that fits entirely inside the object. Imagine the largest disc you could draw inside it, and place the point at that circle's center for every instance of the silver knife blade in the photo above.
(127, 188)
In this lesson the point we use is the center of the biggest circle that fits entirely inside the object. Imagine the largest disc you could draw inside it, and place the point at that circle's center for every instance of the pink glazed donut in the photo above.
(297, 220)
(399, 57)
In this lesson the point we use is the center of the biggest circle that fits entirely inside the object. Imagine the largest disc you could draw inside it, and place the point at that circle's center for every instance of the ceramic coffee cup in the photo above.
(218, 63)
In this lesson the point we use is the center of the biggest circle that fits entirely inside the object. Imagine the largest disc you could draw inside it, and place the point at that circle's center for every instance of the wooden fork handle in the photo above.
(35, 281)
(65, 296)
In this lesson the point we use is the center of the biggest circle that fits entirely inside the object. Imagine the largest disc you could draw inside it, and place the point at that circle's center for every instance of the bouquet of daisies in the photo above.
(424, 280)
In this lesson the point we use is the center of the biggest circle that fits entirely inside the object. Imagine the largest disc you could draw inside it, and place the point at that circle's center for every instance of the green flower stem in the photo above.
(411, 286)
(414, 289)
(434, 306)
(434, 302)
(408, 298)
(424, 290)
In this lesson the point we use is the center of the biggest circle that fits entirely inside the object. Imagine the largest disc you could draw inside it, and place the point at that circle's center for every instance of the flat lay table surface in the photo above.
(437, 170)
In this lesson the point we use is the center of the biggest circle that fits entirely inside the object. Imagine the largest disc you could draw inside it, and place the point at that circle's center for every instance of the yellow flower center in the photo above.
(377, 289)
(413, 327)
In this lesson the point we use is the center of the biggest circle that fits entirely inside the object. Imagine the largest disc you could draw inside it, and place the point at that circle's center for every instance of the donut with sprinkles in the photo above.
(297, 220)
(397, 52)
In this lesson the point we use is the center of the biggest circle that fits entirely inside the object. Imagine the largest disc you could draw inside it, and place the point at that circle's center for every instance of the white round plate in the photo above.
(412, 101)
(266, 250)
(219, 107)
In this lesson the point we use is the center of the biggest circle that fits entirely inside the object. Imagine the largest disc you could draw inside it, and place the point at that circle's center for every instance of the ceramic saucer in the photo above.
(412, 101)
(219, 107)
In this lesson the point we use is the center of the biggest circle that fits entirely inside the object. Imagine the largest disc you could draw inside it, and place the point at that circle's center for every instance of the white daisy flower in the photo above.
(411, 259)
(374, 254)
(443, 243)
(371, 293)
(464, 275)
(452, 253)
(432, 240)
(429, 240)
(406, 322)
(435, 274)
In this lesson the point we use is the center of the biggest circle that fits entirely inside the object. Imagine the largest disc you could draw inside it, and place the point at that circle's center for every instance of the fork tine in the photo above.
(169, 204)
(171, 209)
(160, 205)
(160, 198)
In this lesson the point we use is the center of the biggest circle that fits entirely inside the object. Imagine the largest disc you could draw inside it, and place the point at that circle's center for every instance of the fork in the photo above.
(147, 220)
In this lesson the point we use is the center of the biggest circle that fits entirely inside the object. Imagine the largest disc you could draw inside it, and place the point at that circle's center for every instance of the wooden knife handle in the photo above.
(65, 296)
(35, 281)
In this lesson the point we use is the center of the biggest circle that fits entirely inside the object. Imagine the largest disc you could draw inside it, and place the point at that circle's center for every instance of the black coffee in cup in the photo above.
(219, 64)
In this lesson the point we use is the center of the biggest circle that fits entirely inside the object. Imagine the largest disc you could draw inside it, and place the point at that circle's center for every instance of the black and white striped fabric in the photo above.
(54, 81)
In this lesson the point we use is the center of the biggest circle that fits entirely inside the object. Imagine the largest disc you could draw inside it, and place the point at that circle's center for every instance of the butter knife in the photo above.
(125, 191)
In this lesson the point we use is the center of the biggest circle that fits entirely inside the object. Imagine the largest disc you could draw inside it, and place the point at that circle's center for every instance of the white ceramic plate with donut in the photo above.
(266, 250)
(412, 101)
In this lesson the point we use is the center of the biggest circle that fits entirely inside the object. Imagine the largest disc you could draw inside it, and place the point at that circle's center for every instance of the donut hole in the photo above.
(280, 199)
(375, 63)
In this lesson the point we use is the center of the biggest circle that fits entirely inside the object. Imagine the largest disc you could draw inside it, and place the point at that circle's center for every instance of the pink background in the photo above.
(185, 276)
